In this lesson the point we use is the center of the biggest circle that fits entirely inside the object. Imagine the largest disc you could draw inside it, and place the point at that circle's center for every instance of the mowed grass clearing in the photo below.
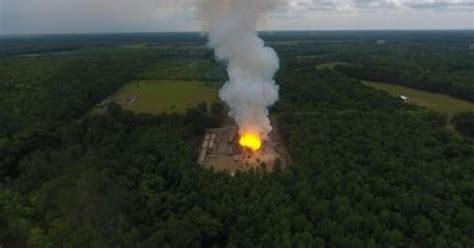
(156, 96)
(437, 102)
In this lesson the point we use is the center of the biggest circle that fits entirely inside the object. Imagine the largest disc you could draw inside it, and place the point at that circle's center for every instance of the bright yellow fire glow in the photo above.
(250, 140)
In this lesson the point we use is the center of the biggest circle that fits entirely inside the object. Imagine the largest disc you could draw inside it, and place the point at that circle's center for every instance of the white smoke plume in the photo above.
(232, 31)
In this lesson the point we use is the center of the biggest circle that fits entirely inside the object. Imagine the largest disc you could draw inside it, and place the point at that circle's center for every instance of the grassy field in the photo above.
(437, 102)
(155, 97)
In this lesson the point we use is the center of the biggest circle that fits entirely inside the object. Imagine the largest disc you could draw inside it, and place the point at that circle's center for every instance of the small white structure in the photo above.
(380, 42)
(404, 99)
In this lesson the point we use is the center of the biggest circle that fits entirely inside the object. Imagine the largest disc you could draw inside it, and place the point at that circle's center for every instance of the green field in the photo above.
(155, 97)
(437, 102)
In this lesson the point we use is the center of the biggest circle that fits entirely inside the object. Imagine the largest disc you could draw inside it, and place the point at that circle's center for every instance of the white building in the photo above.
(404, 99)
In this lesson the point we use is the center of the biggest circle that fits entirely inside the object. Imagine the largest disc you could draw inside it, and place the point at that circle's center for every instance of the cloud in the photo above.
(374, 5)
(376, 14)
(60, 16)
(443, 5)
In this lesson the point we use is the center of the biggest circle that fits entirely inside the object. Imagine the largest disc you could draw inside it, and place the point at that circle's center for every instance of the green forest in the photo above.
(368, 169)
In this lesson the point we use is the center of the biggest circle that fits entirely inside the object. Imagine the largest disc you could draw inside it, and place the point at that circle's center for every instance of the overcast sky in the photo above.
(79, 16)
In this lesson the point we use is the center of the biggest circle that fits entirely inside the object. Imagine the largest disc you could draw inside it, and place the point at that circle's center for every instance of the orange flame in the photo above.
(251, 141)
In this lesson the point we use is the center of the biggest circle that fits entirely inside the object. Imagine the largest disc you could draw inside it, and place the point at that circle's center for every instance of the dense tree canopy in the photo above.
(465, 123)
(368, 170)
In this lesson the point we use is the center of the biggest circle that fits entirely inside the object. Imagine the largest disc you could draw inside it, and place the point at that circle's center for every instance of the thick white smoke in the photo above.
(232, 32)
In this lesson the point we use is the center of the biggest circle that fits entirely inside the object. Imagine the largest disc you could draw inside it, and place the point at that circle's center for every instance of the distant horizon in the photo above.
(260, 31)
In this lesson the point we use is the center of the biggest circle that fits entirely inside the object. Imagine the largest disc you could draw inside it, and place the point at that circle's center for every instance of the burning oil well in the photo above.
(222, 149)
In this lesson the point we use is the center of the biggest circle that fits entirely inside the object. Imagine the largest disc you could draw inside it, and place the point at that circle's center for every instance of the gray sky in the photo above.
(78, 16)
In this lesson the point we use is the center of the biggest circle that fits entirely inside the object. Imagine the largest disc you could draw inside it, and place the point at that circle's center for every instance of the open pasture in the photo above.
(156, 97)
(437, 102)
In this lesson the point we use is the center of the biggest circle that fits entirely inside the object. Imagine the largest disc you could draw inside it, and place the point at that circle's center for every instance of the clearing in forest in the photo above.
(437, 102)
(156, 97)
